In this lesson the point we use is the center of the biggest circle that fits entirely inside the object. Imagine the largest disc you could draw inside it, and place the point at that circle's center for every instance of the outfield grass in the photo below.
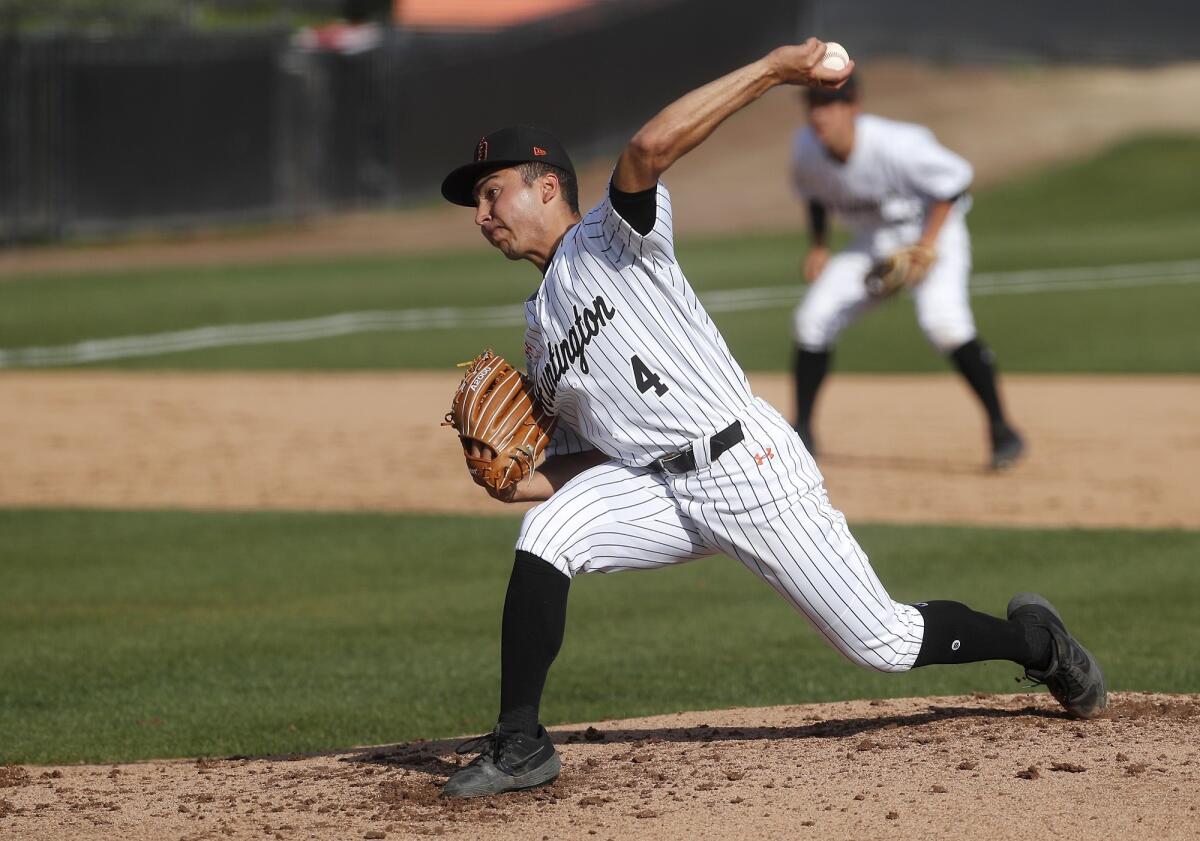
(1144, 330)
(134, 635)
(1129, 205)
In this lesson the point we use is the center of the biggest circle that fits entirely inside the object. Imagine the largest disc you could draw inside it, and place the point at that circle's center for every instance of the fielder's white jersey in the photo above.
(621, 349)
(882, 192)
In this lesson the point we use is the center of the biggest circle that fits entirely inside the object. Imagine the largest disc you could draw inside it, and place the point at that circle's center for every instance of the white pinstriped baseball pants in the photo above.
(764, 503)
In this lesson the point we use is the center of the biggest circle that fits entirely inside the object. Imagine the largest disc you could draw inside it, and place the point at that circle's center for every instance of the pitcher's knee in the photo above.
(890, 664)
(541, 538)
(880, 658)
(892, 645)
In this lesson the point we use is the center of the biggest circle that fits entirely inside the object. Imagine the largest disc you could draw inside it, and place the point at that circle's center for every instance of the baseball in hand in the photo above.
(836, 58)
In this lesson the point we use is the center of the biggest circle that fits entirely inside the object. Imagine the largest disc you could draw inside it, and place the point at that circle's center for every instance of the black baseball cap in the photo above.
(848, 92)
(500, 149)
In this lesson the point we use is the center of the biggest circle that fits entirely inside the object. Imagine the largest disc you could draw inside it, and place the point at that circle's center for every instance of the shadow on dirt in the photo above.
(434, 757)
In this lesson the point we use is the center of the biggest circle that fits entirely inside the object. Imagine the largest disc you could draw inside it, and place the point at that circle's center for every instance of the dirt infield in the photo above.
(1104, 451)
(999, 767)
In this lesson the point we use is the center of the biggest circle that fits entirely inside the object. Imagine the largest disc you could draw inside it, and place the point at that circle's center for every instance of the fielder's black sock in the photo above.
(976, 362)
(809, 369)
(535, 616)
(956, 634)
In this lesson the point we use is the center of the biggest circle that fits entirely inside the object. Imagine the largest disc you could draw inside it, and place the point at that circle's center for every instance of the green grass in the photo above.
(134, 635)
(1131, 204)
(53, 310)
(1144, 330)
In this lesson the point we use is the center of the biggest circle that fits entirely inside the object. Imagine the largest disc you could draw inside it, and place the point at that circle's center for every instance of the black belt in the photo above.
(684, 461)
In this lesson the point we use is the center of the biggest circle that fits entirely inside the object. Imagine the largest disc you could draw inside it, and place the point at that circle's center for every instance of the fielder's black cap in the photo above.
(848, 92)
(504, 148)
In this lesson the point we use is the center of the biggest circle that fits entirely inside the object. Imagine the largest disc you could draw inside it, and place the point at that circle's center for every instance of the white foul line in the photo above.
(450, 318)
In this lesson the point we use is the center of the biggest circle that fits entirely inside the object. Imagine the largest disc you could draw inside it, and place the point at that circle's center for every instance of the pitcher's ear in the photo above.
(550, 187)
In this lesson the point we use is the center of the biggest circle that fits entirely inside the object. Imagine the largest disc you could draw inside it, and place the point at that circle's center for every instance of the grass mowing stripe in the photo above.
(1150, 330)
(449, 318)
(132, 634)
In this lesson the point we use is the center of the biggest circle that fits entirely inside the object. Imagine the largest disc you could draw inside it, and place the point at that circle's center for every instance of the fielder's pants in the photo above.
(839, 296)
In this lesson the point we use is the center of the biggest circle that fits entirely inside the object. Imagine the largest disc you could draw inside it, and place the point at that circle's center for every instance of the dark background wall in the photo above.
(105, 136)
(1014, 30)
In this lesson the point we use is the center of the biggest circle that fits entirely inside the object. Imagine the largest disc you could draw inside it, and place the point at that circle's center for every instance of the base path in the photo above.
(1000, 767)
(1104, 451)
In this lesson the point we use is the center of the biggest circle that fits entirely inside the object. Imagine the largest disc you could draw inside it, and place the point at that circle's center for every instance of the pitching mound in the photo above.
(982, 766)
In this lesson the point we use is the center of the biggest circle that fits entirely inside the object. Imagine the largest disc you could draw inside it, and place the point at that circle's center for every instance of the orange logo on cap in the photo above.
(481, 150)
(538, 151)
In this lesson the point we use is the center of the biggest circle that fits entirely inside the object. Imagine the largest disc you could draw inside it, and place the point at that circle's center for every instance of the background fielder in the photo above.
(898, 190)
(662, 454)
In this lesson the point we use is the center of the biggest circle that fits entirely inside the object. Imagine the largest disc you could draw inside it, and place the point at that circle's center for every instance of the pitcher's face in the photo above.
(508, 211)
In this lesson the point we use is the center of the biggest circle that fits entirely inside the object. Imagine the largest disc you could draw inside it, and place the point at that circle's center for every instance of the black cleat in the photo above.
(1073, 676)
(507, 762)
(1007, 448)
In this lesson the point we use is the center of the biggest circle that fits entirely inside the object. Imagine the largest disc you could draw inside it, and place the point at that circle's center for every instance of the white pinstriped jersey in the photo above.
(620, 347)
(894, 173)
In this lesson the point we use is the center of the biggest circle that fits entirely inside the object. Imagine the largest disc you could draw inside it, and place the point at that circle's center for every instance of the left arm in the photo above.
(555, 472)
(934, 221)
(551, 475)
(686, 123)
(935, 172)
(908, 266)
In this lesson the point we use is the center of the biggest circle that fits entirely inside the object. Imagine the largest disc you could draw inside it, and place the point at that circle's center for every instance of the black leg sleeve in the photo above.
(809, 370)
(976, 363)
(535, 617)
(956, 634)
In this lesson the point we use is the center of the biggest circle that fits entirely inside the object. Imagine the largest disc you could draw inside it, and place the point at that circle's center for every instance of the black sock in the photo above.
(976, 362)
(809, 369)
(535, 616)
(956, 634)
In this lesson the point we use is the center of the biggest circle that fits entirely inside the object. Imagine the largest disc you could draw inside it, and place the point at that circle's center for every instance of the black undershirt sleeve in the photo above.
(818, 222)
(638, 209)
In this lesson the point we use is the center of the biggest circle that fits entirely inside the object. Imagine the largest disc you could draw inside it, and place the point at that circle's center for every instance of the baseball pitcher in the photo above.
(637, 432)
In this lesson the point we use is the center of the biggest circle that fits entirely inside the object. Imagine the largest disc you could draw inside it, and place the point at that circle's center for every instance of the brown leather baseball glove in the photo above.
(903, 270)
(503, 429)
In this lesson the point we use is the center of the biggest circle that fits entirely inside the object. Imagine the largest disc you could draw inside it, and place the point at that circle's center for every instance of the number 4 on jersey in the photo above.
(645, 379)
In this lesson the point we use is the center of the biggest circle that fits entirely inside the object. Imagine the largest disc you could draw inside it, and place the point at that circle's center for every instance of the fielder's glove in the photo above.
(495, 407)
(903, 270)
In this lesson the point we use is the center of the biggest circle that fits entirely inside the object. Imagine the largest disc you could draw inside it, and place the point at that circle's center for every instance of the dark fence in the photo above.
(1149, 31)
(100, 137)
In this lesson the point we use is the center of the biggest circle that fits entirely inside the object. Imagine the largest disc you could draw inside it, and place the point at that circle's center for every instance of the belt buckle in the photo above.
(665, 460)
